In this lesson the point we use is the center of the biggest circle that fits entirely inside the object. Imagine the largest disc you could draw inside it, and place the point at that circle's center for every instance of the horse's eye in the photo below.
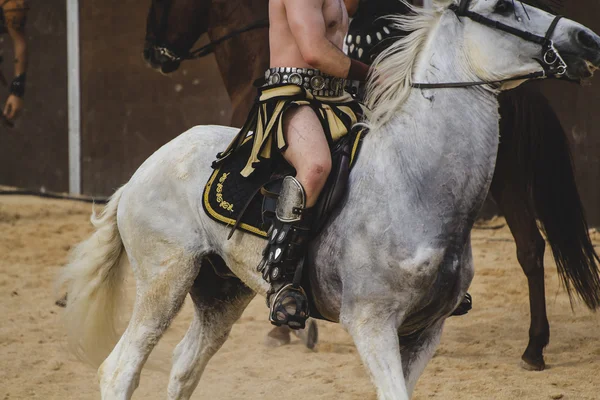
(503, 7)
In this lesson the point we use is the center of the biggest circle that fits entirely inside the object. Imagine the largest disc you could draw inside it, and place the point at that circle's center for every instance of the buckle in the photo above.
(552, 58)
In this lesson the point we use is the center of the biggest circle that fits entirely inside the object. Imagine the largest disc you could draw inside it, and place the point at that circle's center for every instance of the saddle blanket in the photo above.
(227, 193)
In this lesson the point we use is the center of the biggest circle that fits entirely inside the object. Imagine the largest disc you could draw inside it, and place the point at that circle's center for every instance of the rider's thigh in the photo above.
(308, 149)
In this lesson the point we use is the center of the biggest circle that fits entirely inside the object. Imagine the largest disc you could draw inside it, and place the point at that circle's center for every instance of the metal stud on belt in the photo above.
(317, 83)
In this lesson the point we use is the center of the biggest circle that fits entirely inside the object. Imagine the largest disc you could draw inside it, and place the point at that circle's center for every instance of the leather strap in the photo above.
(550, 68)
(533, 75)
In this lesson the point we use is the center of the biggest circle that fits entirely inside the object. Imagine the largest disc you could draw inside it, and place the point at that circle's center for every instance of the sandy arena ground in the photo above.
(478, 358)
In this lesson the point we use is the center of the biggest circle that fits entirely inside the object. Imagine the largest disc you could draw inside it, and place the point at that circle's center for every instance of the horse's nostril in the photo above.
(588, 41)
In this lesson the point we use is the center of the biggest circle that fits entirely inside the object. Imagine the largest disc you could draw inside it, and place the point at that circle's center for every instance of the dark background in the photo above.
(128, 110)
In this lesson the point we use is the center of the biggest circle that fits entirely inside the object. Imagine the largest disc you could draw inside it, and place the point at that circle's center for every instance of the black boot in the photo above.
(284, 254)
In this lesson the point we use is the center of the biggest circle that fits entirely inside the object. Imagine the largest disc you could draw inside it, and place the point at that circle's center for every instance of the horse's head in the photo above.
(172, 28)
(506, 39)
(497, 44)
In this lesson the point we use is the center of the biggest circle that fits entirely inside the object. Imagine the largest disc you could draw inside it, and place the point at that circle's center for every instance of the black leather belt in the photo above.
(313, 80)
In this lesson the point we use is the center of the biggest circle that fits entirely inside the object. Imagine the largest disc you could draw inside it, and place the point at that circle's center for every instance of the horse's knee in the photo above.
(531, 256)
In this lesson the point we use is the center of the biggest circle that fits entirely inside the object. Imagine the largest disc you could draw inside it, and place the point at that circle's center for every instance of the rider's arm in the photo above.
(15, 13)
(307, 23)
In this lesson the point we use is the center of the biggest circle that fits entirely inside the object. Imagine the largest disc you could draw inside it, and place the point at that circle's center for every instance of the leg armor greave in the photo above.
(284, 254)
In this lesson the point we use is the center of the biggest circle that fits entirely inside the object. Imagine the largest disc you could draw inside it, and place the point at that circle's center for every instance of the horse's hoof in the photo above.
(309, 335)
(62, 302)
(277, 337)
(533, 364)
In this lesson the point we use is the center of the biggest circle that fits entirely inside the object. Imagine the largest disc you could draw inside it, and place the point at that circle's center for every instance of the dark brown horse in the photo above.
(174, 26)
(533, 179)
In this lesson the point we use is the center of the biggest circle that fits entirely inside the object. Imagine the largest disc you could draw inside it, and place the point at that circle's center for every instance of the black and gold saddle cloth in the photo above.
(253, 158)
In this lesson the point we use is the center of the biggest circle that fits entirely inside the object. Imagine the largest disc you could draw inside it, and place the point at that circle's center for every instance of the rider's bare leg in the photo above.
(307, 151)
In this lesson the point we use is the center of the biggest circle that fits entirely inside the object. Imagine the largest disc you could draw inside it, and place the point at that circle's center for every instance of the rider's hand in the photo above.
(13, 107)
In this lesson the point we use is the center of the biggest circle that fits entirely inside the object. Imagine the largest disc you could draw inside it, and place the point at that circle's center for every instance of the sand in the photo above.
(479, 357)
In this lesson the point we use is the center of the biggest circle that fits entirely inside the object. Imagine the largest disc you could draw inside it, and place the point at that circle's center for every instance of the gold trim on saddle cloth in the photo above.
(220, 217)
(265, 123)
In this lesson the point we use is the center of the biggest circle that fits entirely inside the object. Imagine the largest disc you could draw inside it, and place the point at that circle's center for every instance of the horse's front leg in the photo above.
(375, 334)
(417, 350)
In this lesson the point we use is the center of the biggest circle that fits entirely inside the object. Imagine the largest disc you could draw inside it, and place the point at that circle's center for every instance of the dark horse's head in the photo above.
(172, 28)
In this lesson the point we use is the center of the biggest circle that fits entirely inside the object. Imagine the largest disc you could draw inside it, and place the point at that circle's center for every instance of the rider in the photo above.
(13, 15)
(301, 110)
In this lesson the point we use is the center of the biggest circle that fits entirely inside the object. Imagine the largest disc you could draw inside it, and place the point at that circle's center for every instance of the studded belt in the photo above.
(316, 82)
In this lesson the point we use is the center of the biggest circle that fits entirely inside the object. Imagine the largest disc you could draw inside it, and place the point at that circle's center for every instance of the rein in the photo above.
(552, 63)
(210, 47)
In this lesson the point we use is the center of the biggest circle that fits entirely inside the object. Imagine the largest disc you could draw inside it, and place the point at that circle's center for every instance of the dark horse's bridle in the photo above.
(176, 56)
(552, 63)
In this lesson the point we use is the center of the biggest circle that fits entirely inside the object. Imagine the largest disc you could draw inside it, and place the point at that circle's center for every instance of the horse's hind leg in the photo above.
(512, 199)
(158, 299)
(219, 302)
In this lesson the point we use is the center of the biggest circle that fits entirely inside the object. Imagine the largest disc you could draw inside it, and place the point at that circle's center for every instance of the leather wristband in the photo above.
(358, 71)
(17, 86)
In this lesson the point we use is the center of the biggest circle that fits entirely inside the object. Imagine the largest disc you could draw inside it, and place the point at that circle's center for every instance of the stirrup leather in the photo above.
(283, 257)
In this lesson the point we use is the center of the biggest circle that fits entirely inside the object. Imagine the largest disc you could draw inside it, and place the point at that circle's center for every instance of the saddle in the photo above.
(249, 203)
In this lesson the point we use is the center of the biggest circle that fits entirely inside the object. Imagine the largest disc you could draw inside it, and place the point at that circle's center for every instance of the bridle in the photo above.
(176, 56)
(551, 61)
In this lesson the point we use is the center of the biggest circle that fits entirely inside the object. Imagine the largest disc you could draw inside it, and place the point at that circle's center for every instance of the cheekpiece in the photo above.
(313, 80)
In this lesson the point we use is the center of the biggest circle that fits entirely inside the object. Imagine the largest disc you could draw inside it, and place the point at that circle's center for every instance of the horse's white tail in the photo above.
(93, 278)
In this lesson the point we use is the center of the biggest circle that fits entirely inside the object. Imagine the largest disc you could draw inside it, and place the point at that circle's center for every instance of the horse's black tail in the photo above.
(545, 160)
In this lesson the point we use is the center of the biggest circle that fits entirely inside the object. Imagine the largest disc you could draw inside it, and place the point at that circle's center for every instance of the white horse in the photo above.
(390, 265)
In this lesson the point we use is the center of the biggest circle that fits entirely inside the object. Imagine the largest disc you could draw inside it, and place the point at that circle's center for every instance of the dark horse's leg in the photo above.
(509, 189)
(534, 184)
(511, 199)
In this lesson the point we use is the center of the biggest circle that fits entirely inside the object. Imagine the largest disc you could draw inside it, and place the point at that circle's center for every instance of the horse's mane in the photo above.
(395, 65)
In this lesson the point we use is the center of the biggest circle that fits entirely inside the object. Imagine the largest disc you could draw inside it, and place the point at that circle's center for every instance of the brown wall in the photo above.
(129, 110)
(34, 153)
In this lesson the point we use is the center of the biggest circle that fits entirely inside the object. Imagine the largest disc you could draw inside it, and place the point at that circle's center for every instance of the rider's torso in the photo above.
(283, 48)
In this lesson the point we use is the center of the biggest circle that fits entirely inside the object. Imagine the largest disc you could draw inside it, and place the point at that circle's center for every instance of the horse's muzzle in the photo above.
(582, 54)
(159, 59)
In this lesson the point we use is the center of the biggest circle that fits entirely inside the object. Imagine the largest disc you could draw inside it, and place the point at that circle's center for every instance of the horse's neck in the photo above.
(436, 157)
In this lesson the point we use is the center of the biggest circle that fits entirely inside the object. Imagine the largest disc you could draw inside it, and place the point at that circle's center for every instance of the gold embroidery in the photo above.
(224, 204)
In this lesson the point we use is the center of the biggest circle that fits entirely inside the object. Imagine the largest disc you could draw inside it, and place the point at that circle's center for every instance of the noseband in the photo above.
(552, 63)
